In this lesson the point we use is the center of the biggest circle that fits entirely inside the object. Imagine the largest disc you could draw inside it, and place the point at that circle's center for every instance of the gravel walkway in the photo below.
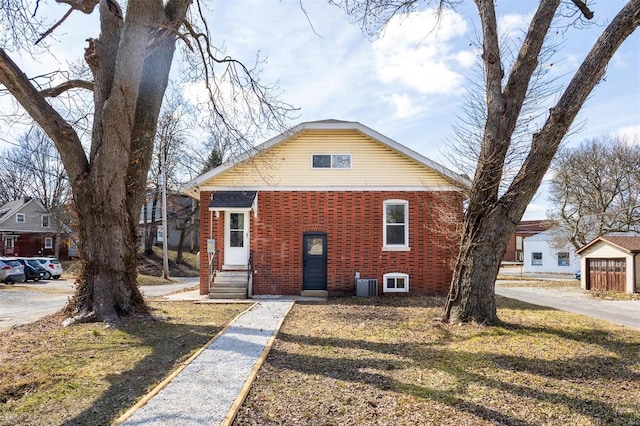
(204, 392)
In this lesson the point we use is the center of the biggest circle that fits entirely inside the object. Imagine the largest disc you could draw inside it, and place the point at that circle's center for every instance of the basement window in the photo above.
(396, 282)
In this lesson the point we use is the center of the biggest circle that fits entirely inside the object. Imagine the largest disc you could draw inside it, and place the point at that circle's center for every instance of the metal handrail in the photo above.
(212, 269)
(249, 271)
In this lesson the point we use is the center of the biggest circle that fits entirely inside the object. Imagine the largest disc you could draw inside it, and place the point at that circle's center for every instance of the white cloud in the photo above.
(630, 133)
(619, 60)
(513, 25)
(404, 106)
(417, 52)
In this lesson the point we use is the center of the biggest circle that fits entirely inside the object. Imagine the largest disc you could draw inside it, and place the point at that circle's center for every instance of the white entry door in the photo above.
(236, 238)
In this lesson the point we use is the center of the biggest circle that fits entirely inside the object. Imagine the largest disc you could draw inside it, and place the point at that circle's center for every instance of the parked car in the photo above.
(32, 269)
(11, 271)
(52, 267)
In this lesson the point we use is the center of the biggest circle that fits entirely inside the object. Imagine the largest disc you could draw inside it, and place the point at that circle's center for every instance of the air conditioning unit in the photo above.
(366, 287)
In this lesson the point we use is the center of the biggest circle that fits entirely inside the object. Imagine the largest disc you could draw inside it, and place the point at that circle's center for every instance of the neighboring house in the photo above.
(524, 229)
(179, 218)
(26, 229)
(541, 255)
(326, 202)
(611, 263)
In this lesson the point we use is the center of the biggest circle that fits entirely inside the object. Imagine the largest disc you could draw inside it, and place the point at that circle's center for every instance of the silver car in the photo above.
(11, 271)
(52, 267)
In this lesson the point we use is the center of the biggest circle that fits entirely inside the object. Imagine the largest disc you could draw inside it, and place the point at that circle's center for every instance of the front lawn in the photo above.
(87, 374)
(384, 361)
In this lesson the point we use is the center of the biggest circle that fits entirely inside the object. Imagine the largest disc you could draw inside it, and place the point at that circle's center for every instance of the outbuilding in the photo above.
(611, 263)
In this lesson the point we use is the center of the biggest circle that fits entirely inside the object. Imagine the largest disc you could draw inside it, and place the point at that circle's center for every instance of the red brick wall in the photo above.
(353, 223)
(32, 245)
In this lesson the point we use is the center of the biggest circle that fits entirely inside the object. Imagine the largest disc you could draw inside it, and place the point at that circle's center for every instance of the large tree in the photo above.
(130, 63)
(492, 214)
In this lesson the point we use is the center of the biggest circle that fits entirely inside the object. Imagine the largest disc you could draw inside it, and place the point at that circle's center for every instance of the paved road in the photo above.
(623, 312)
(24, 303)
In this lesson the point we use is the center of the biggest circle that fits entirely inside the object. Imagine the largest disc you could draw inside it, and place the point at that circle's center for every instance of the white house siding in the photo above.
(637, 273)
(602, 250)
(541, 243)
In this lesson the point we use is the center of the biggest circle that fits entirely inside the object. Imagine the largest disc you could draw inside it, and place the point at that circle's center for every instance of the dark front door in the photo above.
(314, 261)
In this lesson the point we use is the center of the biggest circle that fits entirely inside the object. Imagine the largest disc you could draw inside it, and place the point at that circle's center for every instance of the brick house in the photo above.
(524, 229)
(27, 229)
(314, 208)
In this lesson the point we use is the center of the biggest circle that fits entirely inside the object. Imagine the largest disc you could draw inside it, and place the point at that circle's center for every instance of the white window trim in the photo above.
(13, 242)
(331, 162)
(541, 258)
(395, 247)
(21, 215)
(48, 221)
(48, 242)
(568, 258)
(395, 275)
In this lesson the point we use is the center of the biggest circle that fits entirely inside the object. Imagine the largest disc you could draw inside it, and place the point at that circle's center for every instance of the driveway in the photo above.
(28, 302)
(623, 312)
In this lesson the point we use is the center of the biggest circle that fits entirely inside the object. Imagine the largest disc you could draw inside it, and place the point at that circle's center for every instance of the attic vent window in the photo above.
(20, 218)
(331, 161)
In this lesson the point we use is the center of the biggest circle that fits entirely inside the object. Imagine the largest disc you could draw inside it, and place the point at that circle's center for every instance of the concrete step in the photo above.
(229, 295)
(231, 277)
(230, 285)
(235, 267)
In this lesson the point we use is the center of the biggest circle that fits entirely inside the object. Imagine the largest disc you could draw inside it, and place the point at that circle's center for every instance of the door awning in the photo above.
(234, 200)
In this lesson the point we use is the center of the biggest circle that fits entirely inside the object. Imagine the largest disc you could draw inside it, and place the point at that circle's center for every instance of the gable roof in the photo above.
(626, 243)
(460, 181)
(10, 209)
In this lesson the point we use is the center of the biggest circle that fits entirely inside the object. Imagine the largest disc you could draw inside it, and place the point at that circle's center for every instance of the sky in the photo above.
(407, 84)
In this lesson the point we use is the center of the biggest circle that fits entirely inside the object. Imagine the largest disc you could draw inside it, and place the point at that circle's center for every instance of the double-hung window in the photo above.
(396, 225)
(536, 258)
(20, 218)
(45, 221)
(563, 259)
(48, 243)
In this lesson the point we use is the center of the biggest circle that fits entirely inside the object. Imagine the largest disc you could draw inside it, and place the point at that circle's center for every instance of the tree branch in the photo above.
(56, 25)
(61, 132)
(84, 6)
(52, 92)
(584, 9)
(545, 143)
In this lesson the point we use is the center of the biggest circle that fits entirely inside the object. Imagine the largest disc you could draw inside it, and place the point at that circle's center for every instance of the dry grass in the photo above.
(521, 282)
(613, 295)
(88, 375)
(385, 362)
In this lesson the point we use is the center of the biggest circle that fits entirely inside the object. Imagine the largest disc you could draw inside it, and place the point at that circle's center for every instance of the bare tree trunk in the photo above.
(491, 219)
(183, 233)
(107, 286)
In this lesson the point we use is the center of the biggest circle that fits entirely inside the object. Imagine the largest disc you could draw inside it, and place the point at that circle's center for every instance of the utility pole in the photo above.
(165, 254)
